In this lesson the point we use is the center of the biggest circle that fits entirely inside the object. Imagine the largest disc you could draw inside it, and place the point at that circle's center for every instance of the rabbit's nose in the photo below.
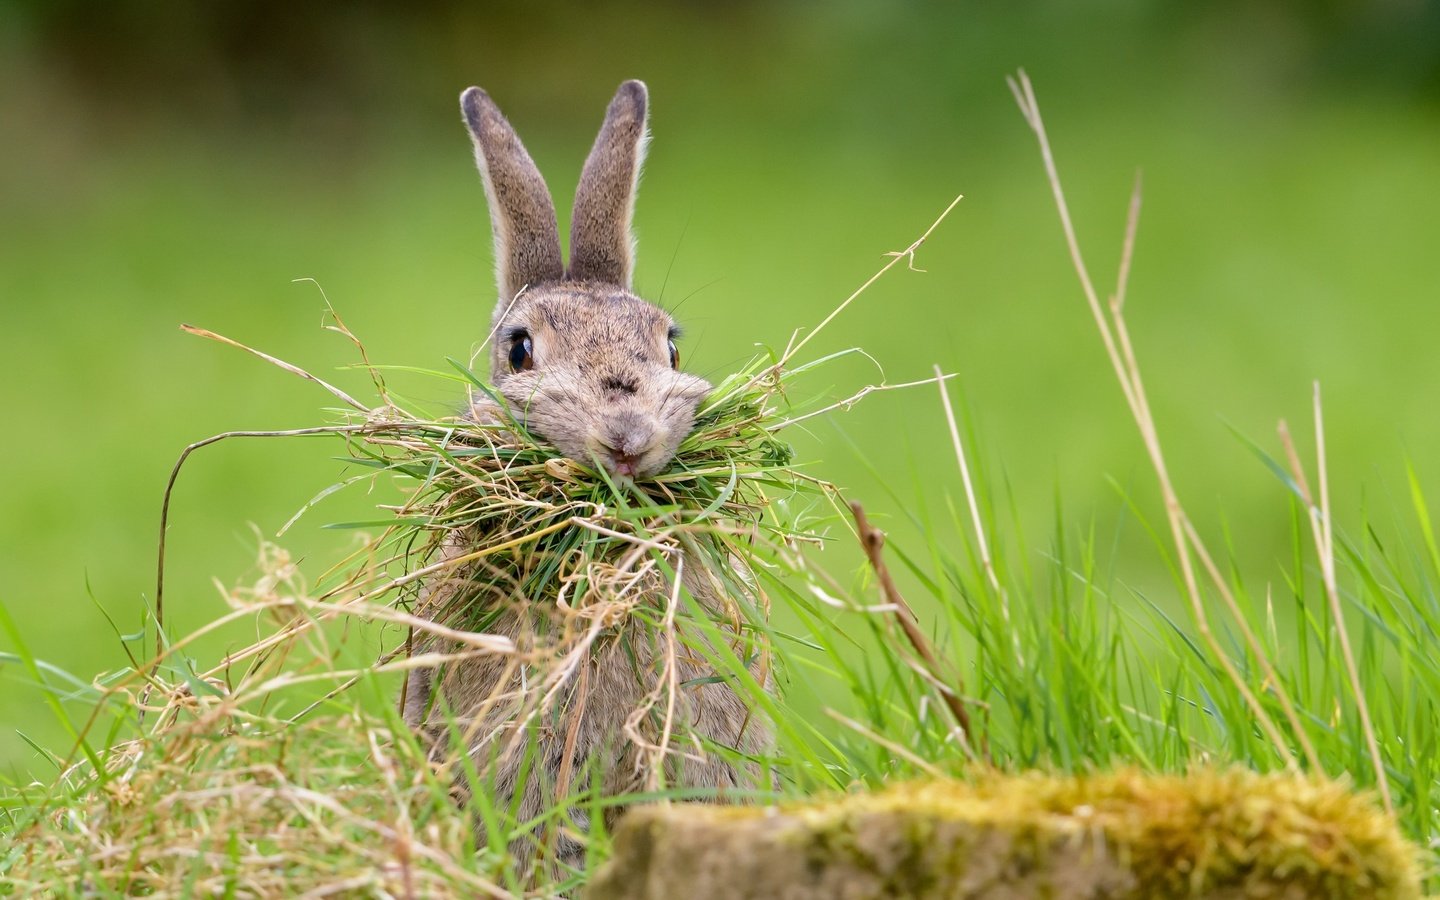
(629, 433)
(626, 440)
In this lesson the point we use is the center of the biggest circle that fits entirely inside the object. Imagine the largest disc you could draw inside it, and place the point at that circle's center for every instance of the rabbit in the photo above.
(594, 370)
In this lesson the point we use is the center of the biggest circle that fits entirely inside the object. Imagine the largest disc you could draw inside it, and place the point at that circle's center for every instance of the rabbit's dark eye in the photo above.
(674, 356)
(520, 358)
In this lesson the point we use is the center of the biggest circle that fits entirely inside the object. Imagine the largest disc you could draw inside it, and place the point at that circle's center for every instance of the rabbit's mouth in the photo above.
(624, 465)
(630, 463)
(628, 443)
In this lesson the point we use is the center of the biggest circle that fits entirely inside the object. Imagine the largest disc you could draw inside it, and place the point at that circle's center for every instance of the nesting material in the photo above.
(531, 524)
(1231, 835)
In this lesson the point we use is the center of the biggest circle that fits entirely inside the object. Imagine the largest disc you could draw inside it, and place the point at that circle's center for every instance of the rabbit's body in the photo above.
(582, 735)
(593, 369)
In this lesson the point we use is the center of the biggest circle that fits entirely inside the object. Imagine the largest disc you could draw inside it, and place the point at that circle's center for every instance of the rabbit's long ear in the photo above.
(601, 247)
(522, 216)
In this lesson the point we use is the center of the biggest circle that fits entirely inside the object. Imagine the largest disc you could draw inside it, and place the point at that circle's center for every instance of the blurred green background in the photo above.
(179, 162)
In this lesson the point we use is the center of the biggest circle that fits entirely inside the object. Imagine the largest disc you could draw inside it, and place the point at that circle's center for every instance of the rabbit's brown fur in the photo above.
(598, 382)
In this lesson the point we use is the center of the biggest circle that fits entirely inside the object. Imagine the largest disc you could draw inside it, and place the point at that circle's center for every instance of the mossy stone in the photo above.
(1231, 835)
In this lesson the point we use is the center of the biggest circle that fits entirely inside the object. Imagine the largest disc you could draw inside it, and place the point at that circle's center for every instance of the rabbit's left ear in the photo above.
(601, 246)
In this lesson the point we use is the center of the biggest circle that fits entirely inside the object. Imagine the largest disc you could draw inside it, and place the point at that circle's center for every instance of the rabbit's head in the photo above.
(581, 360)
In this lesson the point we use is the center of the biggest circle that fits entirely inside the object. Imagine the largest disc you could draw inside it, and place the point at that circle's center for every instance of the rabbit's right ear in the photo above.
(522, 216)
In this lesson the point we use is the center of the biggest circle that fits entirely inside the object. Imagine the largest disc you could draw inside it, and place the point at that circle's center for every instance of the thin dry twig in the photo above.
(895, 256)
(867, 390)
(872, 540)
(170, 488)
(292, 369)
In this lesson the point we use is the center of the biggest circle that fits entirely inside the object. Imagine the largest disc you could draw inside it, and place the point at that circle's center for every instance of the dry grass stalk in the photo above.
(981, 542)
(218, 804)
(1319, 516)
(950, 686)
(1115, 336)
(908, 254)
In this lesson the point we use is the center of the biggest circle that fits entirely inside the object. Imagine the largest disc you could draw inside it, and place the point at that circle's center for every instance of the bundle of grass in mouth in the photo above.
(528, 522)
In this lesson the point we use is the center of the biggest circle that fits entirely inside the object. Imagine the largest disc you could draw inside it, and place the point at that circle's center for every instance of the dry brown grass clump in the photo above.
(220, 805)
